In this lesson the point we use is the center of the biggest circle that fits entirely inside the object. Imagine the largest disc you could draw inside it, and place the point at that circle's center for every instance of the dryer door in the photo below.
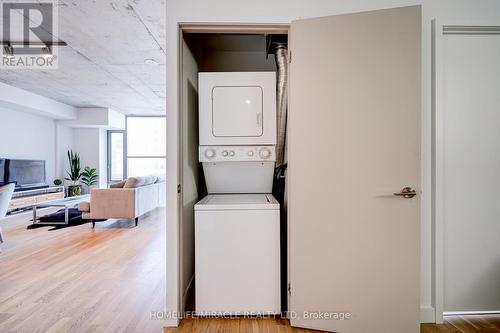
(237, 111)
(237, 108)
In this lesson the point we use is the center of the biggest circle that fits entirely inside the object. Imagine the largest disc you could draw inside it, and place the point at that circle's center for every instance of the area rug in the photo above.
(54, 220)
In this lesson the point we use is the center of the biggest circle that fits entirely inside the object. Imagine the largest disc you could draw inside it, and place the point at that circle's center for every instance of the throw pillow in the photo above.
(133, 182)
(130, 182)
(117, 184)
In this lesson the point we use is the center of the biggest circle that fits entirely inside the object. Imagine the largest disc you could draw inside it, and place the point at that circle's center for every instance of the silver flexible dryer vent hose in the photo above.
(281, 57)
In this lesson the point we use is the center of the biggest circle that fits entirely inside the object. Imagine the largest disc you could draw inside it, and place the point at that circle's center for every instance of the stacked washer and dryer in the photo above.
(237, 227)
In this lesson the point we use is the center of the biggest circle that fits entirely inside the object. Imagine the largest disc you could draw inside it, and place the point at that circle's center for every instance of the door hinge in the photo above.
(290, 57)
(178, 188)
(289, 288)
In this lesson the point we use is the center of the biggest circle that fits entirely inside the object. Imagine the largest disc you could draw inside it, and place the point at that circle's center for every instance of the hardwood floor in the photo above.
(453, 324)
(110, 279)
(238, 325)
(465, 324)
(80, 279)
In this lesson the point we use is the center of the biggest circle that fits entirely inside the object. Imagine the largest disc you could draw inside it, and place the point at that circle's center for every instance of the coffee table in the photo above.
(66, 203)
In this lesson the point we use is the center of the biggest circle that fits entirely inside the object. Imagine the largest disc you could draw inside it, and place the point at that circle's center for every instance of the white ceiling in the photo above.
(103, 64)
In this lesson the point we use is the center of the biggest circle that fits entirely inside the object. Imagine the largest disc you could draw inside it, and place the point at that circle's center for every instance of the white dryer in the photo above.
(237, 130)
(237, 108)
(237, 254)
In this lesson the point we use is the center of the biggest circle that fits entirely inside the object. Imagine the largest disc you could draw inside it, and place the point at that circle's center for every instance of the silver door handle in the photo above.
(406, 192)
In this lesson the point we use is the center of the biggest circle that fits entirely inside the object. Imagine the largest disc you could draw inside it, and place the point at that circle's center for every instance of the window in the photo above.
(146, 146)
(116, 155)
(138, 151)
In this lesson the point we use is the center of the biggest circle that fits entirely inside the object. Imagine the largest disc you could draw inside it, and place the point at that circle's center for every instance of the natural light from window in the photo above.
(116, 155)
(146, 146)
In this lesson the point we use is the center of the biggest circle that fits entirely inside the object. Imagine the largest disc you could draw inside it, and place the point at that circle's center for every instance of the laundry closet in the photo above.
(235, 129)
(333, 237)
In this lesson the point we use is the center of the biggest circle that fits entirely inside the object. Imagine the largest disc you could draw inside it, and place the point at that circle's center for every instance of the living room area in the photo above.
(82, 171)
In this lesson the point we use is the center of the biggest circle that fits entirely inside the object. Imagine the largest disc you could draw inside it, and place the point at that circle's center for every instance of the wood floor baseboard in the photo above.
(427, 314)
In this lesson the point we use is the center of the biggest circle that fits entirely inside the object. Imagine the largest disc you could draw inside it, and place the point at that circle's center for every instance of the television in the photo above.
(26, 174)
(2, 171)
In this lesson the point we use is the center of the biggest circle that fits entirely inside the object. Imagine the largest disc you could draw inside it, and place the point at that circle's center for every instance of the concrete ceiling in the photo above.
(103, 64)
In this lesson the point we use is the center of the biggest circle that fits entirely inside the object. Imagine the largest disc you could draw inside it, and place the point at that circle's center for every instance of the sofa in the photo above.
(128, 199)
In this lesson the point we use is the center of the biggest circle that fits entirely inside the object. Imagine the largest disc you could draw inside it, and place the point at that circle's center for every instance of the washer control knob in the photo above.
(231, 153)
(265, 153)
(250, 153)
(209, 153)
(224, 153)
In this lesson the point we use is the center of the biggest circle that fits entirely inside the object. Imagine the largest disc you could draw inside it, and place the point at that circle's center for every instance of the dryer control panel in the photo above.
(237, 153)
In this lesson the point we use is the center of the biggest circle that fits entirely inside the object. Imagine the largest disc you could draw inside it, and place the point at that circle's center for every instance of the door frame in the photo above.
(175, 296)
(174, 293)
(438, 167)
(439, 32)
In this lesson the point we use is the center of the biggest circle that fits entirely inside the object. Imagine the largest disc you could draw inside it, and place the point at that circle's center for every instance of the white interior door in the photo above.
(470, 84)
(354, 140)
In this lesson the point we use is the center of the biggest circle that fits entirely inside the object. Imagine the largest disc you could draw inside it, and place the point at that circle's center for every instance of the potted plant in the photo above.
(74, 174)
(89, 177)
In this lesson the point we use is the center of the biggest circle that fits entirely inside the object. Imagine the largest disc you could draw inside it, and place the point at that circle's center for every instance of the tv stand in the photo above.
(31, 188)
(26, 199)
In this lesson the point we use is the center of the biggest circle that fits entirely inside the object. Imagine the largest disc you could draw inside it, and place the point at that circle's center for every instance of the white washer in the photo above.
(237, 254)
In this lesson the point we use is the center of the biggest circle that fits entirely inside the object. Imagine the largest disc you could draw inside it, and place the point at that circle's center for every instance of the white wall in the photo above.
(104, 118)
(36, 127)
(103, 158)
(27, 136)
(283, 11)
(64, 142)
(90, 143)
(28, 129)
